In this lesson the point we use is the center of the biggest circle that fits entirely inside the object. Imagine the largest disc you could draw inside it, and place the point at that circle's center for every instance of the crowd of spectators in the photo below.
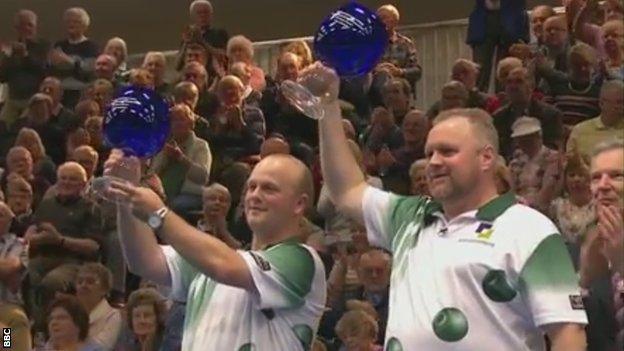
(558, 92)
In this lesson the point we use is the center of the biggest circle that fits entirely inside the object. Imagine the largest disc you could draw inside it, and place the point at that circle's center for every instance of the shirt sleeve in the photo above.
(282, 275)
(181, 272)
(375, 206)
(548, 281)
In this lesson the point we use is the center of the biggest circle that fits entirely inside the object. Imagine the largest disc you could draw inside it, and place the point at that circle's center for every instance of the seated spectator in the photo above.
(37, 117)
(24, 66)
(156, 63)
(13, 261)
(216, 205)
(504, 181)
(76, 137)
(521, 102)
(575, 91)
(301, 49)
(602, 263)
(613, 35)
(73, 58)
(393, 163)
(184, 163)
(467, 72)
(573, 212)
(539, 15)
(19, 197)
(533, 162)
(556, 46)
(42, 164)
(100, 91)
(230, 93)
(613, 10)
(195, 73)
(105, 68)
(85, 156)
(20, 161)
(454, 95)
(95, 128)
(242, 71)
(400, 59)
(117, 48)
(145, 314)
(608, 125)
(396, 98)
(240, 49)
(85, 108)
(418, 178)
(68, 326)
(383, 132)
(67, 231)
(60, 116)
(93, 283)
(274, 145)
(358, 331)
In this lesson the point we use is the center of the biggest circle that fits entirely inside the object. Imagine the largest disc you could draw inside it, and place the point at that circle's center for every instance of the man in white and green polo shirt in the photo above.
(471, 270)
(268, 298)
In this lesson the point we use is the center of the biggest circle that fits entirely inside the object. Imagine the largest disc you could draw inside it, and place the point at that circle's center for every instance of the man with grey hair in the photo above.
(22, 65)
(467, 259)
(156, 63)
(201, 12)
(602, 252)
(73, 58)
(608, 125)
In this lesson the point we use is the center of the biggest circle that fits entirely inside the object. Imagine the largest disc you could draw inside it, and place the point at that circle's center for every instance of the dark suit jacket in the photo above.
(514, 22)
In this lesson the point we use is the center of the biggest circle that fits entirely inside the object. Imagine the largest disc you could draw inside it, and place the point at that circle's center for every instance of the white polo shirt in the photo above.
(283, 313)
(486, 280)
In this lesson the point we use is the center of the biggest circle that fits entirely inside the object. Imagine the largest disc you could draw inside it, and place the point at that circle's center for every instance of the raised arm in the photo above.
(341, 173)
(138, 243)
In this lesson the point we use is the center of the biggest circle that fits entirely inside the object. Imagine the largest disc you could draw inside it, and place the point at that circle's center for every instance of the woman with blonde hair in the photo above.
(358, 330)
(301, 49)
(240, 49)
(42, 163)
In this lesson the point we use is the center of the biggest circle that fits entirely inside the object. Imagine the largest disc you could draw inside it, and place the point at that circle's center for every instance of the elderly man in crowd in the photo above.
(23, 68)
(602, 262)
(201, 12)
(184, 163)
(73, 58)
(60, 116)
(519, 88)
(19, 160)
(67, 231)
(105, 67)
(609, 125)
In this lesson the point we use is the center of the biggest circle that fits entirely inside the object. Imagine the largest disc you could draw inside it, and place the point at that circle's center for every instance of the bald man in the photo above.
(67, 231)
(268, 298)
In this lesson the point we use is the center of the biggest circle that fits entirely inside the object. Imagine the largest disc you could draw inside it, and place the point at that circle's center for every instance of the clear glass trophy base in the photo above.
(100, 188)
(302, 99)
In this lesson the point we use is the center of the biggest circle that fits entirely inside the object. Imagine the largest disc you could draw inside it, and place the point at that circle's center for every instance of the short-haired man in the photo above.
(201, 12)
(471, 269)
(608, 125)
(269, 298)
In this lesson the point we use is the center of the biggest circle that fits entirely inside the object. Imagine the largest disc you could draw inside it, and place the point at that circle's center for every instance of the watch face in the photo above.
(154, 222)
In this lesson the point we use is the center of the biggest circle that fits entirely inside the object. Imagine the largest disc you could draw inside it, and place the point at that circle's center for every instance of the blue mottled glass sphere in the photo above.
(137, 121)
(351, 40)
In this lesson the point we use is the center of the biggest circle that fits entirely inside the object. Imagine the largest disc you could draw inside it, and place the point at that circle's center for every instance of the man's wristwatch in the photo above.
(156, 218)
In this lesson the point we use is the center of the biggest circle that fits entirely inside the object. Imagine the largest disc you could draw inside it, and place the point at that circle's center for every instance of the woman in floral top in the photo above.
(574, 211)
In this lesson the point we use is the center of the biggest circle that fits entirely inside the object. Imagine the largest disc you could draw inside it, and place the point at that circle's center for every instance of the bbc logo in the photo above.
(6, 338)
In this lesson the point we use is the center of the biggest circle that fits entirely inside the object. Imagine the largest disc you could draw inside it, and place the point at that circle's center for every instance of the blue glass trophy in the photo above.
(351, 40)
(137, 122)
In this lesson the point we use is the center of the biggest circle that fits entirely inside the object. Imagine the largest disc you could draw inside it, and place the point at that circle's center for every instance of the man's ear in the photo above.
(489, 158)
(302, 204)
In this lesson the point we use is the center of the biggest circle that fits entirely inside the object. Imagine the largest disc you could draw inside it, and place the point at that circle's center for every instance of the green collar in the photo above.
(290, 240)
(488, 212)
